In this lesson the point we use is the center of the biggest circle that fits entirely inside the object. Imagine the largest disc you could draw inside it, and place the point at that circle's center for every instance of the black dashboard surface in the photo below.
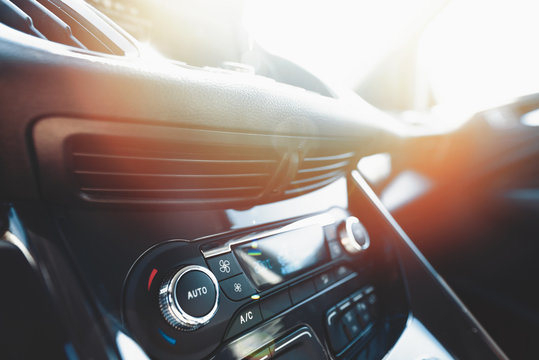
(96, 256)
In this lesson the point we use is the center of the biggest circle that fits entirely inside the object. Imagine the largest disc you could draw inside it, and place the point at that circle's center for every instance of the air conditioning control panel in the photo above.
(195, 298)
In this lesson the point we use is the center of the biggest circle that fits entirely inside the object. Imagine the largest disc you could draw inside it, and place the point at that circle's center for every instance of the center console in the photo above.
(313, 277)
(269, 292)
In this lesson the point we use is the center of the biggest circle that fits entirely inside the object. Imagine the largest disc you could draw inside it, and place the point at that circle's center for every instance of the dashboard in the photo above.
(167, 211)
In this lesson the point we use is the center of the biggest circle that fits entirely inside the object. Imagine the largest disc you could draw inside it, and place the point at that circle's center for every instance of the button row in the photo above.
(347, 320)
(232, 280)
(276, 303)
(236, 285)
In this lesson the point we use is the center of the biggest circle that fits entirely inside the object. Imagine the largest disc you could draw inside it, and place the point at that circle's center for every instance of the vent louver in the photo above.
(316, 171)
(130, 164)
(55, 21)
(122, 170)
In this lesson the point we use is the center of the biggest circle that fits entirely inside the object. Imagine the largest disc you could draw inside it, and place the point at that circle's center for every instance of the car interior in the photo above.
(242, 179)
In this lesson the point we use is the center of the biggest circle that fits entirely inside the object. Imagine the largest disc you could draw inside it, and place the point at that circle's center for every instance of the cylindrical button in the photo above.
(359, 233)
(189, 298)
(195, 293)
(353, 236)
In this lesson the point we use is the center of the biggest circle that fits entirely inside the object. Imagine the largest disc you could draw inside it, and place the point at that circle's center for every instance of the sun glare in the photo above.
(341, 40)
(480, 52)
(472, 52)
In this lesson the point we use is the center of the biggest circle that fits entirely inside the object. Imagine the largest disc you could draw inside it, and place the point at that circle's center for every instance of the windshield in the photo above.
(461, 53)
(470, 52)
(482, 52)
(340, 41)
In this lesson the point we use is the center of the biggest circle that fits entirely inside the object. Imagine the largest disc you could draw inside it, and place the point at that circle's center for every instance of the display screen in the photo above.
(274, 259)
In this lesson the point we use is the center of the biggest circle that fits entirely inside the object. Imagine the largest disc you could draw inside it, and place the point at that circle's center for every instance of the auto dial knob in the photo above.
(353, 235)
(189, 298)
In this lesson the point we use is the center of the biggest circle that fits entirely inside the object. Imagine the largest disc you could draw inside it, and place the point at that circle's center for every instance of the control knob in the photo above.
(189, 298)
(353, 235)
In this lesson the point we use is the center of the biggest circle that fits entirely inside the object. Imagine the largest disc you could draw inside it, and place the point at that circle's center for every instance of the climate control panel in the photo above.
(217, 289)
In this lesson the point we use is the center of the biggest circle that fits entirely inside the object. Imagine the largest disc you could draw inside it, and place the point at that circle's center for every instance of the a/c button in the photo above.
(244, 319)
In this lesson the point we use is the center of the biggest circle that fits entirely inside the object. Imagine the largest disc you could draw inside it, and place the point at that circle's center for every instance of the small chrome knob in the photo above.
(189, 298)
(353, 235)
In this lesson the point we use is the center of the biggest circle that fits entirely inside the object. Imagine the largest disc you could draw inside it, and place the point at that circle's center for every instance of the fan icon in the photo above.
(224, 266)
(237, 287)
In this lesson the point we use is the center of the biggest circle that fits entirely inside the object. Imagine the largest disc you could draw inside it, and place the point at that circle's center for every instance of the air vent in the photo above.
(111, 163)
(118, 169)
(315, 172)
(55, 21)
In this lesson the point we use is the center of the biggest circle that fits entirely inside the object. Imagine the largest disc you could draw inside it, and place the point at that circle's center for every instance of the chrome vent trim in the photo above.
(114, 169)
(316, 171)
(132, 164)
